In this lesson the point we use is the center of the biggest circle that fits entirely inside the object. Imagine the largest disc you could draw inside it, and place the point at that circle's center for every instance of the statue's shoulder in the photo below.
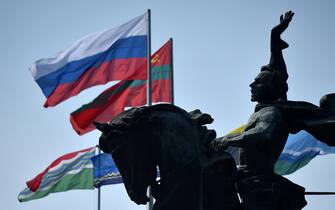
(281, 107)
(267, 113)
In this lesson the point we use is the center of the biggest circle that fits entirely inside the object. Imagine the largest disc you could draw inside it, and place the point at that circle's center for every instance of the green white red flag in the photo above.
(71, 171)
(128, 93)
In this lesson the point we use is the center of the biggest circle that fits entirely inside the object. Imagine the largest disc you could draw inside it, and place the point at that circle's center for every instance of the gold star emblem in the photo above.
(155, 59)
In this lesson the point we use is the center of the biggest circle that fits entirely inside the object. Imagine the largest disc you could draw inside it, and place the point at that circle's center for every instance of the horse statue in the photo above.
(166, 137)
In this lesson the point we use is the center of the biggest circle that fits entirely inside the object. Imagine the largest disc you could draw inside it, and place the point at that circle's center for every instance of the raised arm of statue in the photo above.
(277, 44)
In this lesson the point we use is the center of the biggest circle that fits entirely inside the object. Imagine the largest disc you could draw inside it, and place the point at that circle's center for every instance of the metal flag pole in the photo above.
(171, 72)
(99, 189)
(149, 89)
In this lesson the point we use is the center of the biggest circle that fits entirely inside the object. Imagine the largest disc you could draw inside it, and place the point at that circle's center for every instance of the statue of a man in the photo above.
(265, 136)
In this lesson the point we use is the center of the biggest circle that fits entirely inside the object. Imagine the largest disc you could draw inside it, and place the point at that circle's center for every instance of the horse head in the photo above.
(134, 152)
(142, 138)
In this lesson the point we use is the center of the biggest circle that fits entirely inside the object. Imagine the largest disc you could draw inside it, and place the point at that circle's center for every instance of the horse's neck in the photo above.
(180, 186)
(179, 143)
(180, 152)
(177, 155)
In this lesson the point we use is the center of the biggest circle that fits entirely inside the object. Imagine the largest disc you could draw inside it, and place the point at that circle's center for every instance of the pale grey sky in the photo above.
(219, 48)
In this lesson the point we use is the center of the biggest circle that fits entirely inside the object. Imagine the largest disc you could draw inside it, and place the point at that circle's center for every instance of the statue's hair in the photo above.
(280, 82)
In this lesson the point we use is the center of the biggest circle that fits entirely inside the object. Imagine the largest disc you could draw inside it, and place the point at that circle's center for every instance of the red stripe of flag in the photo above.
(103, 109)
(135, 68)
(35, 182)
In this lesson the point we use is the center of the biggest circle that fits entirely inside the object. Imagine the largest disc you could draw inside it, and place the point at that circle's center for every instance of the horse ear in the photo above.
(103, 127)
(200, 118)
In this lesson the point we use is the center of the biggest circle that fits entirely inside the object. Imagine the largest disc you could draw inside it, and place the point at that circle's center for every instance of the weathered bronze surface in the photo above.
(196, 170)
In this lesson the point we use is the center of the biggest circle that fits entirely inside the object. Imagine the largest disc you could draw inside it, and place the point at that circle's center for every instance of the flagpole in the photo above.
(171, 72)
(99, 189)
(149, 89)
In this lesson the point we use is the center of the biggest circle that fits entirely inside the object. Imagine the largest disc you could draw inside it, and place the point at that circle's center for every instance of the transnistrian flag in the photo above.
(126, 93)
(113, 54)
(68, 172)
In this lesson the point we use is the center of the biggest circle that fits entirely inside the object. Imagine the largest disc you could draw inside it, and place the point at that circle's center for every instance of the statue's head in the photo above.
(269, 85)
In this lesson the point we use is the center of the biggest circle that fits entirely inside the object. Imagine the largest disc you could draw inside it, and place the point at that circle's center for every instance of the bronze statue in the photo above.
(267, 130)
(167, 137)
(196, 170)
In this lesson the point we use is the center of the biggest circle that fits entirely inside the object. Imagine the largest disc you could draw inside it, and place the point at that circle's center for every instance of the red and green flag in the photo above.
(127, 93)
(71, 171)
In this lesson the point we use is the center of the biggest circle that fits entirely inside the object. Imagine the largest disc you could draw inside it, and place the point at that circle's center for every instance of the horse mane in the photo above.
(149, 121)
(136, 117)
(140, 116)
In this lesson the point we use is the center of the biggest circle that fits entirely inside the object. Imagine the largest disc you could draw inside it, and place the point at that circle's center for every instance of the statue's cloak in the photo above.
(301, 115)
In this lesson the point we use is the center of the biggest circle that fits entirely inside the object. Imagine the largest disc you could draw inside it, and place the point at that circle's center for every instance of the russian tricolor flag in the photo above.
(114, 54)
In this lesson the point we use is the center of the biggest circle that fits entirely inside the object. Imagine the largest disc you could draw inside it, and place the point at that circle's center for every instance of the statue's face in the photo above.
(261, 88)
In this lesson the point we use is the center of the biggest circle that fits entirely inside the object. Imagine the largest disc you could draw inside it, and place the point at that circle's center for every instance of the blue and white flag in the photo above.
(105, 171)
(299, 150)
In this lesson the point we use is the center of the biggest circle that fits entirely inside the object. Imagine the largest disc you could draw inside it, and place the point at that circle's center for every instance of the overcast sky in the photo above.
(219, 47)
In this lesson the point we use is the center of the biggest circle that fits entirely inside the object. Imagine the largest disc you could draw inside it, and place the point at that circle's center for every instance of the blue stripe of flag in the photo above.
(113, 179)
(299, 150)
(104, 165)
(130, 47)
(307, 154)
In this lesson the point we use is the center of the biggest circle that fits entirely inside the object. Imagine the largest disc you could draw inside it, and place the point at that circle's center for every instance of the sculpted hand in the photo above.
(221, 144)
(277, 44)
(284, 22)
